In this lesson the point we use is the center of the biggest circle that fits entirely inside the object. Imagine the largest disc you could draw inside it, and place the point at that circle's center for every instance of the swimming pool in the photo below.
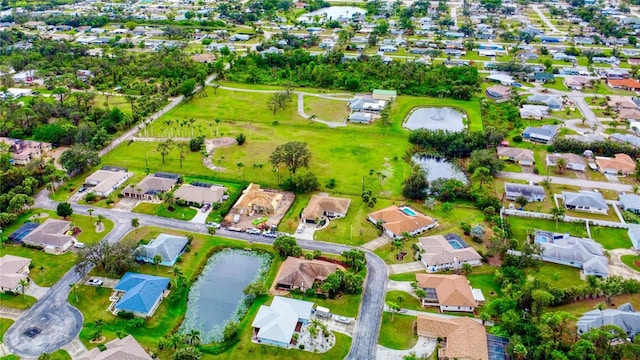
(455, 244)
(542, 238)
(408, 211)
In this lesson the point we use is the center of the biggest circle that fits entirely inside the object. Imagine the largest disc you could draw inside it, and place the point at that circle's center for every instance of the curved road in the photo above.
(60, 323)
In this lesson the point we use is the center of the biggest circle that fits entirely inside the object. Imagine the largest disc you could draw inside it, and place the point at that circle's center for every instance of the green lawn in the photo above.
(53, 266)
(346, 305)
(5, 324)
(520, 226)
(17, 301)
(632, 261)
(485, 282)
(404, 300)
(396, 331)
(557, 85)
(404, 276)
(180, 212)
(577, 308)
(119, 102)
(560, 276)
(326, 109)
(512, 167)
(611, 238)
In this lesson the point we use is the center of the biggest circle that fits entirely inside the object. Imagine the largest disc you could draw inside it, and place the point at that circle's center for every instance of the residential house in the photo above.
(626, 84)
(504, 79)
(543, 77)
(52, 235)
(560, 56)
(621, 164)
(576, 82)
(13, 269)
(361, 117)
(565, 249)
(572, 161)
(302, 274)
(396, 221)
(587, 201)
(626, 139)
(542, 134)
(276, 324)
(323, 206)
(499, 92)
(553, 102)
(630, 202)
(611, 60)
(615, 73)
(385, 95)
(449, 292)
(625, 317)
(634, 235)
(117, 349)
(24, 151)
(169, 247)
(257, 200)
(362, 104)
(204, 58)
(140, 294)
(198, 194)
(152, 186)
(620, 103)
(104, 182)
(531, 192)
(534, 111)
(447, 252)
(519, 156)
(629, 115)
(465, 338)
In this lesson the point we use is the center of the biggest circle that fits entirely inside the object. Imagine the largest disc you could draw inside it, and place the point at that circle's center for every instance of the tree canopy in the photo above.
(293, 155)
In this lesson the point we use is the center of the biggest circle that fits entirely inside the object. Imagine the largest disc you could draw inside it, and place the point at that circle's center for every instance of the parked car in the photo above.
(342, 319)
(214, 224)
(300, 228)
(79, 245)
(206, 207)
(95, 282)
(253, 231)
(270, 234)
(82, 189)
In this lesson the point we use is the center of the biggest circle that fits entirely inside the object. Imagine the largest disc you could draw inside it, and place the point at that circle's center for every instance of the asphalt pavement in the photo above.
(59, 323)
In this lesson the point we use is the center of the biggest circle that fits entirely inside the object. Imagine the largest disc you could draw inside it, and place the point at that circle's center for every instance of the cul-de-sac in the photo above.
(320, 179)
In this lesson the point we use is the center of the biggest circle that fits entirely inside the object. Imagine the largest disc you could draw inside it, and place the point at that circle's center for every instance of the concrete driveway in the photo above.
(106, 282)
(617, 267)
(10, 313)
(423, 347)
(36, 291)
(201, 217)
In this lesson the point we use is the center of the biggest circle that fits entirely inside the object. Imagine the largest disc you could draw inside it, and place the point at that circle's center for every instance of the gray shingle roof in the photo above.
(624, 317)
(585, 199)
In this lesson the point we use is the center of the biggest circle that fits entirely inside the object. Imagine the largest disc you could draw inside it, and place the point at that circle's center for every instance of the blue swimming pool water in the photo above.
(542, 239)
(408, 211)
(455, 244)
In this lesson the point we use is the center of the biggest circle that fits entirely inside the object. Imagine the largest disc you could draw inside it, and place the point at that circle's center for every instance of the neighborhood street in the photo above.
(60, 323)
(567, 181)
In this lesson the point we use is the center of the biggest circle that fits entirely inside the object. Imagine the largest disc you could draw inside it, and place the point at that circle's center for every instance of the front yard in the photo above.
(397, 332)
(180, 212)
(17, 301)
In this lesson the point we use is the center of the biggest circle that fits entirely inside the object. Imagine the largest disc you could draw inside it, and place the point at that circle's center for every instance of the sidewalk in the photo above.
(405, 268)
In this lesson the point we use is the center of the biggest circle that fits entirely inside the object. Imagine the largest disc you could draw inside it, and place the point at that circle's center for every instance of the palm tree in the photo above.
(240, 166)
(193, 337)
(217, 120)
(558, 214)
(169, 199)
(157, 259)
(561, 165)
(90, 211)
(177, 274)
(42, 269)
(100, 218)
(23, 285)
(175, 340)
(74, 290)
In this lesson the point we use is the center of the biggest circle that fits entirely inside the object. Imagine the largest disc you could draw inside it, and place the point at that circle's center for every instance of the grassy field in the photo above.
(396, 331)
(17, 301)
(520, 226)
(611, 238)
(632, 261)
(404, 300)
(180, 212)
(404, 276)
(559, 276)
(119, 102)
(346, 305)
(326, 109)
(577, 308)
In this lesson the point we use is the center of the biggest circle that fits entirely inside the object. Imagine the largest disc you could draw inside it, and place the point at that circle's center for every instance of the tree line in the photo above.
(301, 68)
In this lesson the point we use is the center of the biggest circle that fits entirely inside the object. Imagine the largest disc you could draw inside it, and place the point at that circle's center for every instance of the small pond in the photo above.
(218, 295)
(435, 118)
(439, 168)
(335, 12)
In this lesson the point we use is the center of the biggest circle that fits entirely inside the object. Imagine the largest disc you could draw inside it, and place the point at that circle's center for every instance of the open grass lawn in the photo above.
(512, 167)
(5, 324)
(577, 308)
(272, 87)
(345, 305)
(326, 109)
(47, 268)
(396, 331)
(180, 212)
(632, 261)
(354, 229)
(560, 276)
(520, 226)
(611, 238)
(483, 278)
(405, 276)
(557, 85)
(119, 102)
(404, 300)
(17, 301)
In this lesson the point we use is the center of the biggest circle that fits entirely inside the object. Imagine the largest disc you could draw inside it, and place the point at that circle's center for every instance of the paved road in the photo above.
(567, 181)
(60, 322)
(544, 18)
(617, 267)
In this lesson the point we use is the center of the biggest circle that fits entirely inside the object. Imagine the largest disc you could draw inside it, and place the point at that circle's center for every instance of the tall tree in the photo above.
(164, 148)
(293, 155)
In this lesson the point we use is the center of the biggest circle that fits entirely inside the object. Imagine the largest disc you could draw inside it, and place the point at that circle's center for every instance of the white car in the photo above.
(79, 245)
(214, 224)
(253, 231)
(95, 282)
(342, 319)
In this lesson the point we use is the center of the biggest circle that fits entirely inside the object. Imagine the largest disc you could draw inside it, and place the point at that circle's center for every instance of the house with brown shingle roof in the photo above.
(296, 273)
(396, 221)
(442, 253)
(463, 338)
(104, 182)
(118, 349)
(13, 269)
(151, 187)
(619, 164)
(321, 206)
(199, 195)
(519, 156)
(629, 114)
(257, 200)
(449, 292)
(52, 236)
(573, 161)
